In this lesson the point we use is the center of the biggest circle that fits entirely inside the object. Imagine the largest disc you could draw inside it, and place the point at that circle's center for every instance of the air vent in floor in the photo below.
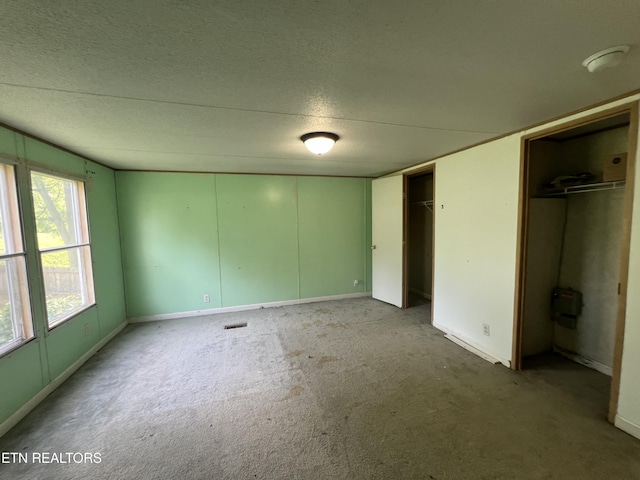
(235, 325)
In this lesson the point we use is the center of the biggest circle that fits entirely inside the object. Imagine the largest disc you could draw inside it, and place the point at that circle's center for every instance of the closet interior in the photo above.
(419, 239)
(574, 237)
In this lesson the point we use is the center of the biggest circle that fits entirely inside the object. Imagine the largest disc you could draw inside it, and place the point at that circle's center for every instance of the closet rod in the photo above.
(593, 187)
(424, 203)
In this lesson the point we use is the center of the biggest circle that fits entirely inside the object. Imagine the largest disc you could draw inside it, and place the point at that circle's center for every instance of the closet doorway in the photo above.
(418, 238)
(575, 218)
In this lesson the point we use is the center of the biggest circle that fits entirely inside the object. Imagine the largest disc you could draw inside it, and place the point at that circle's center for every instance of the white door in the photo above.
(386, 234)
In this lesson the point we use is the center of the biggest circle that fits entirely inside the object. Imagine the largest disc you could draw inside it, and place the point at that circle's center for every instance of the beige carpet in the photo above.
(352, 389)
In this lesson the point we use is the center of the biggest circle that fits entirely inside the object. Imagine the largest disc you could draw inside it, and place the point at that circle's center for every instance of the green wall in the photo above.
(169, 239)
(241, 239)
(332, 234)
(258, 232)
(28, 369)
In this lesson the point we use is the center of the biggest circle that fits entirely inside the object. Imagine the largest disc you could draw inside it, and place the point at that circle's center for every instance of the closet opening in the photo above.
(418, 238)
(575, 217)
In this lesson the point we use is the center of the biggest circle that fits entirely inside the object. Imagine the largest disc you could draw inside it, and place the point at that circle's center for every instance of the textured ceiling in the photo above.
(229, 86)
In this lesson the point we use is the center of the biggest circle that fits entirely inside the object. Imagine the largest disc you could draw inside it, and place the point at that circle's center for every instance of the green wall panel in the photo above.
(8, 143)
(257, 219)
(280, 238)
(48, 157)
(105, 248)
(169, 240)
(20, 378)
(69, 341)
(24, 372)
(331, 216)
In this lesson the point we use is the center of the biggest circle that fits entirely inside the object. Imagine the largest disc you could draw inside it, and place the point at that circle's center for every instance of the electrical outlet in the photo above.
(87, 329)
(356, 282)
(486, 329)
(206, 298)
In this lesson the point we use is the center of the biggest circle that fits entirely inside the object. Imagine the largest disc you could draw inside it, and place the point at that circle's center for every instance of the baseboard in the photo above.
(242, 308)
(587, 362)
(471, 346)
(420, 293)
(23, 411)
(627, 426)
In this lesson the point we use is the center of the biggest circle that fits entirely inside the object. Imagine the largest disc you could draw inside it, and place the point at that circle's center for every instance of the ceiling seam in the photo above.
(246, 110)
(202, 172)
(324, 159)
(623, 97)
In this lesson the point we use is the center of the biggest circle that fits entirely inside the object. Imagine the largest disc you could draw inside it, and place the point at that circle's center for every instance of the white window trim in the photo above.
(22, 324)
(83, 232)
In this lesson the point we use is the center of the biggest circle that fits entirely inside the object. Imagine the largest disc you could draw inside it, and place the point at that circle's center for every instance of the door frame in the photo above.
(426, 170)
(523, 216)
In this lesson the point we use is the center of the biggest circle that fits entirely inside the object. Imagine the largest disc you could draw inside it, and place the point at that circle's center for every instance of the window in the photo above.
(15, 315)
(63, 243)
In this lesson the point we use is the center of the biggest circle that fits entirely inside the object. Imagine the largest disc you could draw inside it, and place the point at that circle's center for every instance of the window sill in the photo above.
(11, 347)
(73, 314)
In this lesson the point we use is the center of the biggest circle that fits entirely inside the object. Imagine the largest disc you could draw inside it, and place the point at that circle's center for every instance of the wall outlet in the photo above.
(486, 329)
(87, 329)
(206, 298)
(356, 282)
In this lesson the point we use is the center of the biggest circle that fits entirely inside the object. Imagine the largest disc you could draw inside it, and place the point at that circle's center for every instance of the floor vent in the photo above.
(235, 325)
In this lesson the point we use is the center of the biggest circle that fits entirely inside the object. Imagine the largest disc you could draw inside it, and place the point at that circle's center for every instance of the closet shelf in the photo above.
(590, 187)
(424, 203)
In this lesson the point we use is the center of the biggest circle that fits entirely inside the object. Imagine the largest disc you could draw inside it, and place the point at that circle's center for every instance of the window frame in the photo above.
(82, 231)
(10, 209)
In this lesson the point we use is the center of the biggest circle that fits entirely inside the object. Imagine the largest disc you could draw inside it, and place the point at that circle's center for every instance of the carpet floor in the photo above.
(349, 389)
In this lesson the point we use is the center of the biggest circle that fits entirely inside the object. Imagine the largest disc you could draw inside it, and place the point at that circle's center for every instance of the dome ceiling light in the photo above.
(319, 142)
(609, 57)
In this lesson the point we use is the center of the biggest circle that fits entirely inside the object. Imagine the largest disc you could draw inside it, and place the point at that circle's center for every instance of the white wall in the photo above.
(476, 208)
(476, 219)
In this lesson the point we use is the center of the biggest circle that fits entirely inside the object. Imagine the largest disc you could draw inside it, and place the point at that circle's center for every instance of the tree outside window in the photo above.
(64, 246)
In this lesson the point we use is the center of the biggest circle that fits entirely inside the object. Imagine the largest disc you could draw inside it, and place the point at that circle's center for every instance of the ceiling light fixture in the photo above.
(319, 142)
(609, 57)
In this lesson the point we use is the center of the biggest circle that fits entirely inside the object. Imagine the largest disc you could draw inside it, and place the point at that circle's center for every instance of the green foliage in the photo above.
(6, 328)
(2, 249)
(58, 259)
(53, 207)
(50, 199)
(58, 306)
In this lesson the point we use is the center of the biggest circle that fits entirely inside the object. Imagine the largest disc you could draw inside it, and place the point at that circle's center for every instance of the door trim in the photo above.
(429, 169)
(523, 215)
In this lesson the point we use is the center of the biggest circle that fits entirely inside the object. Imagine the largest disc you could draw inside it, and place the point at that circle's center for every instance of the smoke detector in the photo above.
(609, 57)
